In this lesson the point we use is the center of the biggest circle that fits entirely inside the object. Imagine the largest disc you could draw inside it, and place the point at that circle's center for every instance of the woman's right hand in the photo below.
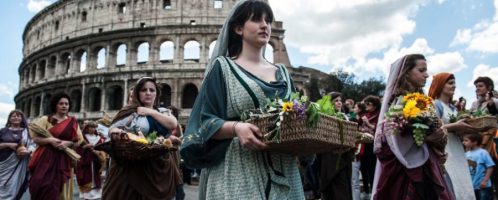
(114, 133)
(249, 135)
(55, 142)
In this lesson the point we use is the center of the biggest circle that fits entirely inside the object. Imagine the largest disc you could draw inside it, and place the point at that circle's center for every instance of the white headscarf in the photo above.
(403, 147)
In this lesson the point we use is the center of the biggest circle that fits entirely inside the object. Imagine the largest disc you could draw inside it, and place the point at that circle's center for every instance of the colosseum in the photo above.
(94, 50)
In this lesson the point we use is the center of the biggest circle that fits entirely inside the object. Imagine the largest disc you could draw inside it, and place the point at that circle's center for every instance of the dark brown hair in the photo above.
(487, 81)
(404, 85)
(249, 10)
(474, 137)
(55, 100)
(374, 100)
(135, 102)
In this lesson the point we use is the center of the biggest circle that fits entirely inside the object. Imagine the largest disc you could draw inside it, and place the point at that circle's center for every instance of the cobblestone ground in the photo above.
(191, 192)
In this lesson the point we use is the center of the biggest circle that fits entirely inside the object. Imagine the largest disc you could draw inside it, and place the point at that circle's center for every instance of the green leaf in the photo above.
(420, 126)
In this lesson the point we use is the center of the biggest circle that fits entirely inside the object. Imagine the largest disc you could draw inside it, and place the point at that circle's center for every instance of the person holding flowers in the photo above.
(409, 142)
(16, 147)
(154, 179)
(238, 78)
(51, 167)
(442, 90)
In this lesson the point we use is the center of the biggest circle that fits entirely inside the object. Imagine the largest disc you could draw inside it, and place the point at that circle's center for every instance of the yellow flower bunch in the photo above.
(415, 103)
(287, 106)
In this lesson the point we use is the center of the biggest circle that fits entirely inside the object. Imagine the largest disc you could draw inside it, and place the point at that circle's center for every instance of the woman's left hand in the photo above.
(144, 111)
(65, 144)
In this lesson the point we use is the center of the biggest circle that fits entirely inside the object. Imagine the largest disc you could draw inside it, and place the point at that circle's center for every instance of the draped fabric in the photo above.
(154, 179)
(51, 168)
(14, 174)
(404, 170)
(230, 171)
(89, 166)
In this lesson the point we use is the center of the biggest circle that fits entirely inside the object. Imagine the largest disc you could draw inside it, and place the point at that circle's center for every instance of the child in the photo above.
(480, 166)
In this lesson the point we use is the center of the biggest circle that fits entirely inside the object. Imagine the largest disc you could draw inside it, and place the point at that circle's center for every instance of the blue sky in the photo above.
(362, 36)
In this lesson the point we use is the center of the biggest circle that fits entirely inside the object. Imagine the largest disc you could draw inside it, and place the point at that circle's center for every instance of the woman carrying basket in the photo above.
(239, 78)
(50, 167)
(155, 178)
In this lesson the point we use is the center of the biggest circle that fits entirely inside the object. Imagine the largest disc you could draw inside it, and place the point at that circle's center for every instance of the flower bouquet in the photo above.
(300, 127)
(128, 147)
(413, 113)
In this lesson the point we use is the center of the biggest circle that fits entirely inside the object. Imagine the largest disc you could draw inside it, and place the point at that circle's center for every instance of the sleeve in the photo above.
(488, 161)
(79, 135)
(207, 117)
(42, 122)
(121, 123)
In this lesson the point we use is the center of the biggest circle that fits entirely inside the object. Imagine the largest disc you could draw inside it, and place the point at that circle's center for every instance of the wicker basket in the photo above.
(124, 150)
(485, 122)
(330, 135)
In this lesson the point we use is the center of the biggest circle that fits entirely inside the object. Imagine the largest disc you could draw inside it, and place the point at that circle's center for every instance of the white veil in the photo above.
(403, 147)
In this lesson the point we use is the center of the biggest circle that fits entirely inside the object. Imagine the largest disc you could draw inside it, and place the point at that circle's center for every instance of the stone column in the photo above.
(204, 50)
(83, 97)
(153, 53)
(111, 57)
(125, 92)
(41, 104)
(178, 50)
(102, 99)
(129, 57)
(91, 63)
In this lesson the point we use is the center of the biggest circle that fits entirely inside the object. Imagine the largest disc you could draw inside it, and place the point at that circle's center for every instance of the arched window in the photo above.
(101, 57)
(46, 104)
(83, 16)
(269, 53)
(82, 58)
(143, 53)
(75, 101)
(211, 48)
(121, 55)
(66, 63)
(41, 69)
(122, 8)
(166, 52)
(27, 108)
(36, 105)
(192, 51)
(165, 95)
(189, 95)
(167, 4)
(94, 99)
(51, 65)
(115, 97)
(33, 73)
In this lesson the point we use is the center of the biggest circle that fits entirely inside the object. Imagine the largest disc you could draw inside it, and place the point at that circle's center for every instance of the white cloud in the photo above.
(483, 37)
(446, 62)
(484, 70)
(339, 33)
(8, 89)
(37, 5)
(5, 109)
(440, 1)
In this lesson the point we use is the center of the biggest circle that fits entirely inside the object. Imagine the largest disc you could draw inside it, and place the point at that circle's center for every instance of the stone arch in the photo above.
(166, 51)
(99, 53)
(41, 69)
(26, 75)
(33, 73)
(76, 100)
(52, 61)
(82, 57)
(165, 95)
(192, 51)
(189, 93)
(27, 108)
(115, 96)
(211, 48)
(143, 52)
(46, 103)
(120, 50)
(65, 62)
(36, 106)
(94, 99)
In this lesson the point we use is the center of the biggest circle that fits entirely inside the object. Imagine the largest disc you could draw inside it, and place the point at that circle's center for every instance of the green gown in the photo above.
(230, 171)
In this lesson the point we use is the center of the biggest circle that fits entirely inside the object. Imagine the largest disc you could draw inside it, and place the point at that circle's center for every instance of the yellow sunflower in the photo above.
(411, 110)
(287, 106)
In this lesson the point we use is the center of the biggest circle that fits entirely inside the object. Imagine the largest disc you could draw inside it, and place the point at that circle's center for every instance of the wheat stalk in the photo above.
(44, 133)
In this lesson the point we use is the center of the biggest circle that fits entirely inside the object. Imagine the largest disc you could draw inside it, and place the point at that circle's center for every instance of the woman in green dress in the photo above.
(234, 162)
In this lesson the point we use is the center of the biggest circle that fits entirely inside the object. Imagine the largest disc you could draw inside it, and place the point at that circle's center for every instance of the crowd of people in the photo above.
(456, 160)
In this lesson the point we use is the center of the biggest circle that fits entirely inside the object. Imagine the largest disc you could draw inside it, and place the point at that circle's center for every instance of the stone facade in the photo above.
(95, 50)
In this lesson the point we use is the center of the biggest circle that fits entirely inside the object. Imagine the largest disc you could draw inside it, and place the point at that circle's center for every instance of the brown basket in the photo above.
(485, 122)
(330, 135)
(124, 150)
